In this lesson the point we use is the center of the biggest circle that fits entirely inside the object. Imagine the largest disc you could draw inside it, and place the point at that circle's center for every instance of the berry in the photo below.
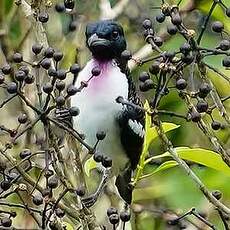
(147, 24)
(72, 90)
(181, 84)
(126, 55)
(100, 135)
(185, 48)
(107, 162)
(52, 72)
(53, 182)
(6, 222)
(215, 125)
(226, 62)
(17, 58)
(69, 4)
(160, 18)
(171, 29)
(204, 90)
(46, 63)
(60, 85)
(158, 41)
(202, 106)
(47, 88)
(37, 199)
(75, 68)
(114, 219)
(60, 100)
(73, 25)
(224, 45)
(125, 216)
(217, 26)
(49, 52)
(98, 157)
(22, 118)
(227, 12)
(195, 116)
(59, 212)
(96, 71)
(169, 55)
(6, 69)
(176, 19)
(74, 111)
(13, 133)
(5, 185)
(61, 74)
(60, 7)
(143, 87)
(43, 17)
(12, 88)
(187, 58)
(80, 191)
(111, 211)
(144, 76)
(29, 79)
(20, 75)
(148, 84)
(217, 194)
(2, 79)
(24, 68)
(154, 68)
(58, 56)
(25, 153)
(46, 192)
(37, 48)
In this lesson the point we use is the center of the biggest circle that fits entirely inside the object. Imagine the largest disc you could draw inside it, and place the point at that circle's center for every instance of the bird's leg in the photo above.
(62, 114)
(91, 200)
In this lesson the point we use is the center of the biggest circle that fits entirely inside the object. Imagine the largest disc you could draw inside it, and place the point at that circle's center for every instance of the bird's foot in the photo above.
(90, 200)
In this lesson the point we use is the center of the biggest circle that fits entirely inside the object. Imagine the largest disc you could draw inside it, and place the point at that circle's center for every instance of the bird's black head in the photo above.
(105, 39)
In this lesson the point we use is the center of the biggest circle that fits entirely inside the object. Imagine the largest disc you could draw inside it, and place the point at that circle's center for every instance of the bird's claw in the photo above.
(89, 201)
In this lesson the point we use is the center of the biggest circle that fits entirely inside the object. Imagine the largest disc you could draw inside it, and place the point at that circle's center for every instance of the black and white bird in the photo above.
(99, 111)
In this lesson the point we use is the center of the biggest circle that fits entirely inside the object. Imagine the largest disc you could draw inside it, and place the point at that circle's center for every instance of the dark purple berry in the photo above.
(202, 106)
(52, 72)
(47, 88)
(216, 125)
(57, 56)
(61, 74)
(111, 211)
(80, 191)
(224, 45)
(22, 118)
(12, 88)
(17, 57)
(60, 85)
(37, 48)
(60, 100)
(185, 48)
(107, 162)
(154, 68)
(25, 153)
(75, 68)
(181, 84)
(144, 76)
(73, 25)
(20, 75)
(226, 62)
(96, 71)
(114, 219)
(6, 222)
(187, 58)
(171, 29)
(24, 68)
(53, 182)
(125, 216)
(29, 79)
(217, 26)
(60, 7)
(160, 18)
(6, 69)
(46, 63)
(49, 52)
(100, 135)
(158, 41)
(195, 116)
(147, 24)
(37, 199)
(74, 111)
(5, 185)
(72, 90)
(69, 4)
(204, 90)
(43, 17)
(98, 157)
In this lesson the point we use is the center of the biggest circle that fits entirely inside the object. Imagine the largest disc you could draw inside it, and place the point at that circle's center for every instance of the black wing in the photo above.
(131, 122)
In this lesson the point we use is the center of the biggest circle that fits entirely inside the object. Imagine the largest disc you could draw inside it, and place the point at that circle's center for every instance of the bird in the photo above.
(99, 110)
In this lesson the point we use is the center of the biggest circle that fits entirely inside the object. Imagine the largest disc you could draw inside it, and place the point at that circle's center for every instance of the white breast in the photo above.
(98, 108)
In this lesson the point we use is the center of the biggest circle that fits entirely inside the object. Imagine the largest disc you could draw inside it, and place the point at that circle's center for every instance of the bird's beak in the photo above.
(95, 41)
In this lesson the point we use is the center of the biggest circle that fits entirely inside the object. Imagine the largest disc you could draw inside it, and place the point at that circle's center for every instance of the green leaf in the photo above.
(162, 167)
(204, 157)
(68, 226)
(89, 165)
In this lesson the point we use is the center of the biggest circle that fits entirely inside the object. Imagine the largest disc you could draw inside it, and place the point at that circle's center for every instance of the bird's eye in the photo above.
(115, 34)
